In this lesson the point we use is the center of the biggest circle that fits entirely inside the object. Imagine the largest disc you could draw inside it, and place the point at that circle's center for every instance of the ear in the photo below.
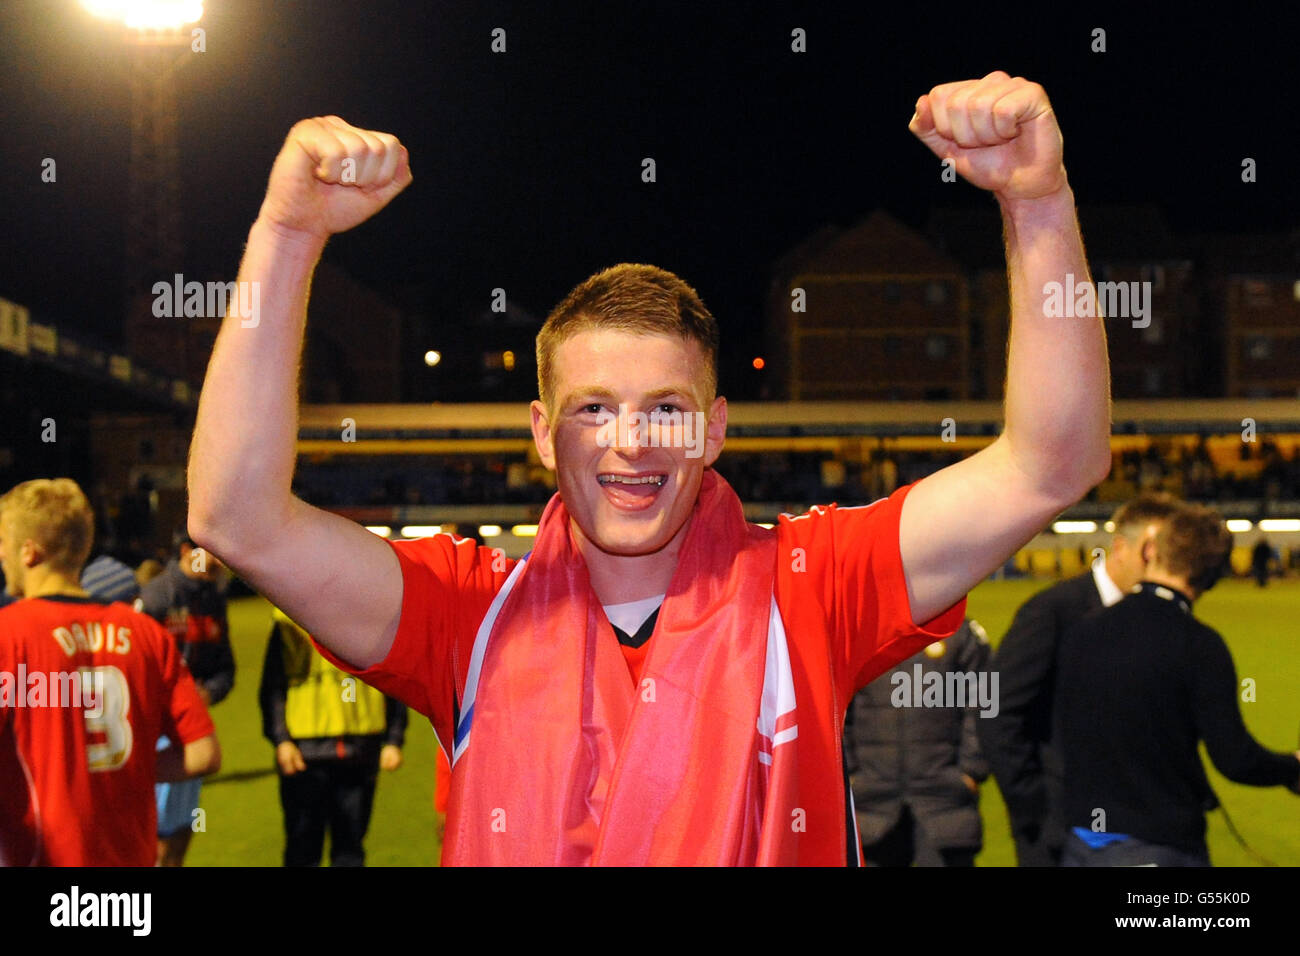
(716, 435)
(1148, 546)
(31, 554)
(543, 434)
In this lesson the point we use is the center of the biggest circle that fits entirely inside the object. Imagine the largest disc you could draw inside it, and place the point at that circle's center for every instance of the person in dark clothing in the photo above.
(1018, 741)
(189, 599)
(332, 735)
(1138, 685)
(1261, 561)
(107, 579)
(915, 770)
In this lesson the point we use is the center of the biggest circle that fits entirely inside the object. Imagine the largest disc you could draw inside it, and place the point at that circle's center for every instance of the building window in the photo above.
(937, 347)
(1259, 348)
(936, 293)
(893, 293)
(1156, 276)
(1153, 334)
(1258, 295)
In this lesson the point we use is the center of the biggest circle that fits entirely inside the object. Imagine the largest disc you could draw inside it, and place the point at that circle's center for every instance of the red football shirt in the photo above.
(86, 690)
(840, 589)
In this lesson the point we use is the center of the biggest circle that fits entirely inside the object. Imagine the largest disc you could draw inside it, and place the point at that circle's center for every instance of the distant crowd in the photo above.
(1260, 470)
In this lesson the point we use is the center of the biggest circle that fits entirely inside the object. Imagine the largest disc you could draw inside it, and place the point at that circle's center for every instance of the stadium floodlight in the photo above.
(524, 531)
(380, 529)
(420, 530)
(1074, 527)
(1238, 525)
(432, 357)
(489, 530)
(147, 14)
(1280, 524)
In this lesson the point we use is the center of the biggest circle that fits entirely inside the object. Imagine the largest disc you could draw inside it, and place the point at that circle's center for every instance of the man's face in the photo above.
(1130, 554)
(627, 496)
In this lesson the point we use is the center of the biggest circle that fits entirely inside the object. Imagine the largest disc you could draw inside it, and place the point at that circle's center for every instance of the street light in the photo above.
(158, 45)
(147, 14)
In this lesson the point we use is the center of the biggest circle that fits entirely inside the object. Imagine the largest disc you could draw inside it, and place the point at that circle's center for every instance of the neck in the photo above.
(1105, 569)
(51, 583)
(619, 579)
(1172, 581)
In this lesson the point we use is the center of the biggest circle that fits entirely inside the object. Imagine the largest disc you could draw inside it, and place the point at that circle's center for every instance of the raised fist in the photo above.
(999, 131)
(330, 176)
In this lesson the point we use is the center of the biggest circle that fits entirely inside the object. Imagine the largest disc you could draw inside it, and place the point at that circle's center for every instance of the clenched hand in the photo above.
(331, 176)
(999, 131)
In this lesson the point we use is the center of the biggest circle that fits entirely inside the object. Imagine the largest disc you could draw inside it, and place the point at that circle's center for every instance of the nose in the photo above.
(631, 439)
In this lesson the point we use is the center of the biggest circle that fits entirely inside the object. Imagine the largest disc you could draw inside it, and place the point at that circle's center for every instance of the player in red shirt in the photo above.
(86, 689)
(590, 766)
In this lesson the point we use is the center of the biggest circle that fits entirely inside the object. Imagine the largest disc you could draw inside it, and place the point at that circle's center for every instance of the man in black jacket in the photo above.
(1138, 685)
(914, 758)
(1018, 742)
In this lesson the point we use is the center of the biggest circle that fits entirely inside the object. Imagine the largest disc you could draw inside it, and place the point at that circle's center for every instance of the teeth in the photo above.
(624, 480)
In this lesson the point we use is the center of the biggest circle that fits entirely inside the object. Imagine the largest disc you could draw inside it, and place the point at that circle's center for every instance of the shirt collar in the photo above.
(1108, 589)
(1167, 593)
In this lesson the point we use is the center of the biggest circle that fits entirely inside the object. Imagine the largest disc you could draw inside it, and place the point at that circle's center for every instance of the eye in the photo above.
(592, 409)
(666, 408)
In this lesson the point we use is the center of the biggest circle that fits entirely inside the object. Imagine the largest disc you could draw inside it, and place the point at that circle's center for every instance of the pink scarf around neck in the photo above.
(570, 763)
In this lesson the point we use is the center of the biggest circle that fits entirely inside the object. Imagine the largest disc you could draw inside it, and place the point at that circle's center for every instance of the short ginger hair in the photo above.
(54, 513)
(641, 299)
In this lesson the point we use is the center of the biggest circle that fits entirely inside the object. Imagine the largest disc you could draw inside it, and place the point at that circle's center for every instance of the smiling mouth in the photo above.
(609, 479)
(631, 493)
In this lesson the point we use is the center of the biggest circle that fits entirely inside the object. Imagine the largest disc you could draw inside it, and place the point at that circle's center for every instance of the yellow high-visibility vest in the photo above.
(322, 700)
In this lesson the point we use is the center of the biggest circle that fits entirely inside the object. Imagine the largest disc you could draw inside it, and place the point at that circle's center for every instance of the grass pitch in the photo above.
(245, 827)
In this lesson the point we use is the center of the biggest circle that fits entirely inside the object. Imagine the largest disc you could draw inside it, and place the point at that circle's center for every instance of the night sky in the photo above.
(528, 163)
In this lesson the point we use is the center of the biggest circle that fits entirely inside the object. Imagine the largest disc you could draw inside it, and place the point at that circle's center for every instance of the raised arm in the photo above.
(961, 523)
(340, 581)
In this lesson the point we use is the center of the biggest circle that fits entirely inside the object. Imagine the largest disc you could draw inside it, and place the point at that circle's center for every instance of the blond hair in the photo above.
(54, 513)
